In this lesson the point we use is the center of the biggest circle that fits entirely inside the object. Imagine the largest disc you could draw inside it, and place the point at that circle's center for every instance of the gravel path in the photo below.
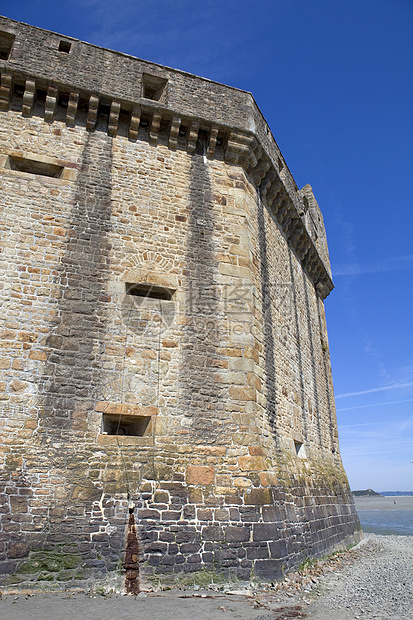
(377, 584)
(372, 581)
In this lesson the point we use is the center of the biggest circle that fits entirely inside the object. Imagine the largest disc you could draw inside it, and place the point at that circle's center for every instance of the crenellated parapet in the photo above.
(166, 103)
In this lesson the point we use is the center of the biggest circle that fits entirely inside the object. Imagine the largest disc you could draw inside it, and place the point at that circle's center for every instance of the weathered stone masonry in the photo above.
(167, 402)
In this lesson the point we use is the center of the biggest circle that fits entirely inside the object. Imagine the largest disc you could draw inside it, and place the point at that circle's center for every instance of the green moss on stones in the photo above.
(203, 578)
(49, 562)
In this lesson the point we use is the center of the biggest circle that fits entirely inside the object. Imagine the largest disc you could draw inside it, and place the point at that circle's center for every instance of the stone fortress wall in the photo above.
(167, 407)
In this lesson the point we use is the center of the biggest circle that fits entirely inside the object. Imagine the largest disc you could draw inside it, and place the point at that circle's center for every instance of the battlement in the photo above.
(53, 75)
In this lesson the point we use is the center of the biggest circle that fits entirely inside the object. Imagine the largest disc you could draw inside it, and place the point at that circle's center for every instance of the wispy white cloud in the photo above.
(385, 388)
(395, 263)
(175, 33)
(378, 455)
(392, 402)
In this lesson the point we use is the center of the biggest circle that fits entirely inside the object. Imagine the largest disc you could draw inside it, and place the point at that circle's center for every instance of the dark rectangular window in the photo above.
(64, 46)
(149, 290)
(132, 426)
(34, 167)
(153, 87)
(6, 43)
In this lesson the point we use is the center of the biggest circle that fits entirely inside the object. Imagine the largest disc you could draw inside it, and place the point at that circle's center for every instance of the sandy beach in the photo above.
(373, 580)
(397, 502)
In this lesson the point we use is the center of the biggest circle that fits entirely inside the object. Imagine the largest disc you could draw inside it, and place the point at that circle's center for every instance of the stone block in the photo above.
(242, 393)
(189, 512)
(161, 497)
(237, 534)
(271, 513)
(37, 355)
(156, 547)
(18, 386)
(258, 552)
(265, 531)
(190, 547)
(18, 550)
(18, 504)
(200, 474)
(149, 514)
(204, 514)
(258, 497)
(170, 515)
(212, 532)
(269, 570)
(252, 463)
(186, 536)
(7, 567)
(278, 549)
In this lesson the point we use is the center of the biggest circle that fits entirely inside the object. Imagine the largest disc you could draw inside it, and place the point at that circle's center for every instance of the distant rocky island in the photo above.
(371, 493)
(397, 493)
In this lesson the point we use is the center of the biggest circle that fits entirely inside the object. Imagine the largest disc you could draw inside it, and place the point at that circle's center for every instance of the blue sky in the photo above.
(334, 81)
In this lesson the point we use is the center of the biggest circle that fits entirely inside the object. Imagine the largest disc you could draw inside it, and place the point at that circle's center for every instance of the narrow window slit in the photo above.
(299, 449)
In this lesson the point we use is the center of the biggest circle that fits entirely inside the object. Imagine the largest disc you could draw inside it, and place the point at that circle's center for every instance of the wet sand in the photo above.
(403, 502)
(170, 605)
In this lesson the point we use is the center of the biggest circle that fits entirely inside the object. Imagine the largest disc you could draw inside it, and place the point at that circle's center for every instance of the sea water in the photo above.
(386, 515)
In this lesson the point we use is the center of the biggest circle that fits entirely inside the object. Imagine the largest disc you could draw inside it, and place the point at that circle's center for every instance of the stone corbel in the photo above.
(253, 153)
(28, 97)
(302, 243)
(283, 208)
(174, 132)
(276, 203)
(268, 180)
(192, 138)
(317, 276)
(272, 193)
(6, 85)
(50, 104)
(286, 222)
(303, 253)
(306, 246)
(260, 170)
(212, 142)
(310, 261)
(154, 128)
(322, 290)
(135, 119)
(113, 118)
(311, 270)
(92, 113)
(295, 231)
(72, 108)
(238, 149)
(259, 153)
